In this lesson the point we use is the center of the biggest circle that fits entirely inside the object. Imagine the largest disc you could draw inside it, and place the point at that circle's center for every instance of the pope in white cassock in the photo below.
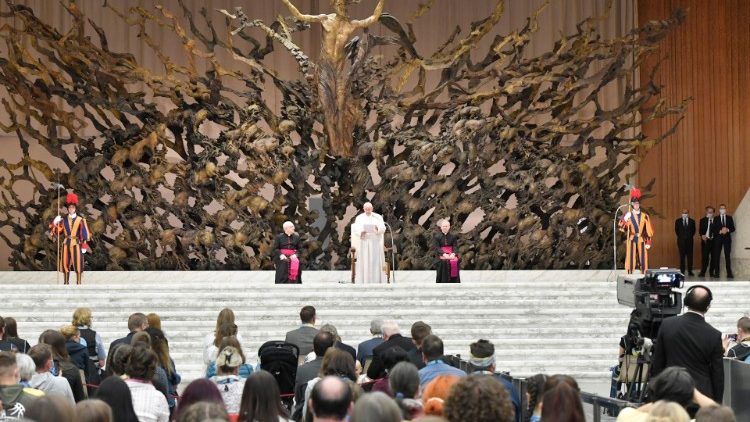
(368, 230)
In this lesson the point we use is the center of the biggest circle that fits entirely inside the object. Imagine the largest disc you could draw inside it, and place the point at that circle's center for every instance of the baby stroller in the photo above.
(280, 359)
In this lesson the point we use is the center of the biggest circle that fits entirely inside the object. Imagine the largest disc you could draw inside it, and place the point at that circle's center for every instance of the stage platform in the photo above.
(540, 321)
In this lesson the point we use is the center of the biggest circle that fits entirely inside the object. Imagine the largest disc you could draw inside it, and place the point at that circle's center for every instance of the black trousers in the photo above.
(686, 254)
(707, 252)
(719, 244)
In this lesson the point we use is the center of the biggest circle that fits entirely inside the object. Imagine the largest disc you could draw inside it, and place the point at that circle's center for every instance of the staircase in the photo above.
(540, 321)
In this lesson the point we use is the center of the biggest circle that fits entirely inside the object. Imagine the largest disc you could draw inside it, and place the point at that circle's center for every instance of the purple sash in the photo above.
(293, 263)
(453, 261)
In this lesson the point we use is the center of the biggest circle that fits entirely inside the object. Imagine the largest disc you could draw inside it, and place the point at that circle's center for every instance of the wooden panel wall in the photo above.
(706, 161)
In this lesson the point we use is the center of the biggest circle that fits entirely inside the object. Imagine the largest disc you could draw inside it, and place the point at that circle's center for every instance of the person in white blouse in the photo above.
(367, 239)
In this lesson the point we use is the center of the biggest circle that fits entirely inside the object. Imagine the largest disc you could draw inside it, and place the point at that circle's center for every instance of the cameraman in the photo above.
(690, 342)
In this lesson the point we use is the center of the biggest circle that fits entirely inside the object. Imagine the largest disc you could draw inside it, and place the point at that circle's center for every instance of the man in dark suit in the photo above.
(690, 342)
(365, 348)
(706, 228)
(392, 336)
(684, 228)
(419, 330)
(322, 342)
(136, 322)
(303, 336)
(725, 228)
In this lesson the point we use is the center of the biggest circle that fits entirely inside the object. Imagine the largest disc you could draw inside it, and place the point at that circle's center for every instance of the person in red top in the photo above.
(74, 244)
(285, 250)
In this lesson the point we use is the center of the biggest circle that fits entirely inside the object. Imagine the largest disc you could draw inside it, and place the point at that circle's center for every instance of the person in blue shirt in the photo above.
(432, 355)
(482, 361)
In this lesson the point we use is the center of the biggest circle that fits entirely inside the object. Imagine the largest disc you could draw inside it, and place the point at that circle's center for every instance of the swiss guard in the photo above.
(637, 226)
(76, 235)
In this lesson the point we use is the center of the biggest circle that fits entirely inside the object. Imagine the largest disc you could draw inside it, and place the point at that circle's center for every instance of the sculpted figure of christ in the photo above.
(340, 110)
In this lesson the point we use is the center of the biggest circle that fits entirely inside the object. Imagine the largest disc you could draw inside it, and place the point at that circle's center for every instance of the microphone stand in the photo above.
(393, 252)
(614, 237)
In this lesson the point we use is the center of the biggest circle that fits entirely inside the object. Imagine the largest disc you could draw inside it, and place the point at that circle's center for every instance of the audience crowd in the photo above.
(69, 376)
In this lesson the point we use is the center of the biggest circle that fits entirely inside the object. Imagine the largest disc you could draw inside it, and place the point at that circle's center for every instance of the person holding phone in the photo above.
(741, 350)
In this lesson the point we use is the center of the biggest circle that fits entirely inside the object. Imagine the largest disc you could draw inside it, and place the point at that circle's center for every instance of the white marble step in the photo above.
(540, 321)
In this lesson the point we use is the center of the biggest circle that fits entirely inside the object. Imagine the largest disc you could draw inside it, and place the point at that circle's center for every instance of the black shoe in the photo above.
(701, 274)
(715, 275)
(690, 273)
(730, 275)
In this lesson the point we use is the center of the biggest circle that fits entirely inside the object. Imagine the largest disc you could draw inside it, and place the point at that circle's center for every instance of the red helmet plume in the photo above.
(635, 195)
(71, 199)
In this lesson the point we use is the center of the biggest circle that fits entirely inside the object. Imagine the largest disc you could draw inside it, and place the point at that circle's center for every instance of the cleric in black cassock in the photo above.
(446, 254)
(285, 249)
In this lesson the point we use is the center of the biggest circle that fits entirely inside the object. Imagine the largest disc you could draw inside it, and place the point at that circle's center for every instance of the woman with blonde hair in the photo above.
(94, 345)
(667, 411)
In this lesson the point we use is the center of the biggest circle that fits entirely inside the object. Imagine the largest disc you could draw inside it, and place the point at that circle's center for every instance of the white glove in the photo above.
(83, 250)
(57, 220)
(282, 257)
(626, 216)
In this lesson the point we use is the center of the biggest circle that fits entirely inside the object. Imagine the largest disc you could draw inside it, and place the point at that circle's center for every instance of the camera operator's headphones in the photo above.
(690, 300)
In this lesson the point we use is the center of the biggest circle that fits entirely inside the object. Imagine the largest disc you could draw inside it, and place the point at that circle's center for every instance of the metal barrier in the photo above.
(737, 388)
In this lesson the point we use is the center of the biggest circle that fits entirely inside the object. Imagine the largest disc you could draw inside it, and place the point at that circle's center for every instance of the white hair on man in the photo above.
(287, 224)
(367, 205)
(376, 327)
(389, 328)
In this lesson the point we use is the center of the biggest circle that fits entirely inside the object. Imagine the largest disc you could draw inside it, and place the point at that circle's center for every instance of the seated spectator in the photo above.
(51, 409)
(365, 348)
(260, 399)
(82, 319)
(390, 358)
(479, 398)
(228, 379)
(117, 360)
(137, 322)
(26, 369)
(375, 407)
(231, 341)
(741, 350)
(93, 410)
(61, 362)
(435, 393)
(15, 398)
(211, 351)
(77, 351)
(200, 390)
(419, 330)
(115, 392)
(154, 321)
(404, 383)
(330, 400)
(337, 363)
(715, 414)
(482, 361)
(330, 328)
(432, 354)
(160, 380)
(392, 337)
(165, 366)
(562, 400)
(322, 342)
(303, 336)
(668, 411)
(10, 339)
(534, 395)
(203, 411)
(43, 379)
(149, 404)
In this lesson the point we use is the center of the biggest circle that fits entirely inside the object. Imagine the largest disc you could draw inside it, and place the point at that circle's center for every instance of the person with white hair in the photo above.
(367, 240)
(446, 252)
(285, 250)
(392, 339)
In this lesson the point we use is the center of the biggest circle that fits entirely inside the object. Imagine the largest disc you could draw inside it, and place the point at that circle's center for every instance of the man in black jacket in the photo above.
(392, 336)
(724, 230)
(690, 342)
(707, 232)
(684, 228)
